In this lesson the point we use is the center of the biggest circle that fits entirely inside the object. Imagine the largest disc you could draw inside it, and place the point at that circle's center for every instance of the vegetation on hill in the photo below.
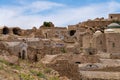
(47, 24)
(26, 71)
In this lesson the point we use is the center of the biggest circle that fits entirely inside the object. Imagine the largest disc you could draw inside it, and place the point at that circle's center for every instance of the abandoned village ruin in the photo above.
(81, 51)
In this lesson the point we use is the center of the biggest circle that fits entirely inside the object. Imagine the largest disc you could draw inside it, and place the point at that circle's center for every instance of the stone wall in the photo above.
(36, 44)
(115, 56)
(100, 75)
(39, 34)
(99, 42)
(58, 50)
(87, 41)
(15, 30)
(113, 42)
(72, 27)
(98, 24)
(114, 16)
(4, 50)
(35, 54)
(66, 69)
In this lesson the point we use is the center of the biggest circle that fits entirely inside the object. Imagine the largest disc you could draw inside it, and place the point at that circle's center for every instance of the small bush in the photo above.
(39, 74)
(1, 67)
(46, 24)
(16, 67)
(54, 78)
(26, 77)
(47, 70)
(4, 61)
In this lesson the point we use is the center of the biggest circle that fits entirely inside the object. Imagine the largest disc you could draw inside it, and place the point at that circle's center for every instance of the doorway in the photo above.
(5, 30)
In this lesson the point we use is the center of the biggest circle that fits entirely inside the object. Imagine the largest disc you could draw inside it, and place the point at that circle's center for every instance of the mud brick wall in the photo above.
(66, 69)
(58, 50)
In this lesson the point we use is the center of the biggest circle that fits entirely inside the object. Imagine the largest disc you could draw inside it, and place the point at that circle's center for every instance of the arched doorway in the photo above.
(72, 32)
(35, 58)
(23, 54)
(16, 31)
(46, 35)
(19, 55)
(5, 30)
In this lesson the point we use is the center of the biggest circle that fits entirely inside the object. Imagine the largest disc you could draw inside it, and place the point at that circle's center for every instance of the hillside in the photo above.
(27, 71)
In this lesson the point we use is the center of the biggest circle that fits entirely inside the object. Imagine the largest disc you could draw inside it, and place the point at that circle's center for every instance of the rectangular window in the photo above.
(113, 45)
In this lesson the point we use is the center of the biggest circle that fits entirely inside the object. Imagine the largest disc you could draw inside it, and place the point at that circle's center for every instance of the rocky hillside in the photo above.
(26, 70)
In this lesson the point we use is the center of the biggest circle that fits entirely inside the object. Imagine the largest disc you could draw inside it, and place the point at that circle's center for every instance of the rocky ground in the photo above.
(26, 70)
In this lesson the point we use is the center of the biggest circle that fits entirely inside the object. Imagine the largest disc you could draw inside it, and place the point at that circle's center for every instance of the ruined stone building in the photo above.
(15, 30)
(105, 42)
(114, 17)
(18, 48)
(91, 36)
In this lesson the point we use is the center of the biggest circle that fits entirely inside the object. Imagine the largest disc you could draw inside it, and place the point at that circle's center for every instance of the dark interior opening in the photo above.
(90, 53)
(19, 55)
(5, 30)
(16, 31)
(113, 45)
(111, 17)
(72, 32)
(78, 62)
(35, 58)
(46, 35)
(23, 54)
(90, 65)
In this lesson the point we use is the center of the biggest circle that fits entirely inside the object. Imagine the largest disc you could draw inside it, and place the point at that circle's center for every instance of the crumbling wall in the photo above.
(114, 17)
(115, 56)
(39, 34)
(70, 49)
(99, 42)
(87, 40)
(113, 42)
(35, 54)
(97, 24)
(100, 75)
(66, 69)
(59, 32)
(69, 39)
(3, 49)
(16, 31)
(58, 50)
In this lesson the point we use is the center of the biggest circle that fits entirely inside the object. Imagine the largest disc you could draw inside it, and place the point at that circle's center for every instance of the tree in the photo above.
(46, 24)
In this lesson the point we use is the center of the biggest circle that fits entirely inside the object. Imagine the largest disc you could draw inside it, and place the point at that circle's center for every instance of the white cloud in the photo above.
(64, 15)
(43, 5)
(75, 15)
(20, 15)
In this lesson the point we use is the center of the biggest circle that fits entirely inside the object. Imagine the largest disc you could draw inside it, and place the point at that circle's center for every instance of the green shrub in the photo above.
(4, 61)
(1, 67)
(33, 72)
(26, 77)
(46, 24)
(54, 78)
(16, 67)
(39, 74)
(47, 70)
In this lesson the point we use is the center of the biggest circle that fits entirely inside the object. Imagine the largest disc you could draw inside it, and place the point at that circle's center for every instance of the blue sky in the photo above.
(29, 13)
